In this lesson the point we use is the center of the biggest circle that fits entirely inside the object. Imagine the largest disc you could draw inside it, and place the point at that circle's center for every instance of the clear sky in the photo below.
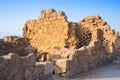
(14, 13)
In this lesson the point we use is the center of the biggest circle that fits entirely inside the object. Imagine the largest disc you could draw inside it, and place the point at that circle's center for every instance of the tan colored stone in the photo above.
(62, 65)
(88, 43)
(14, 59)
(43, 43)
(74, 47)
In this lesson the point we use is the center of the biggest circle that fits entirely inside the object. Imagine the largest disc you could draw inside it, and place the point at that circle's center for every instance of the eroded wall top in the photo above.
(49, 31)
(52, 31)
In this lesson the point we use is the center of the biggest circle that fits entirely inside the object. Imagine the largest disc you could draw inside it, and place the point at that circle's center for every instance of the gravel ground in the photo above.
(107, 72)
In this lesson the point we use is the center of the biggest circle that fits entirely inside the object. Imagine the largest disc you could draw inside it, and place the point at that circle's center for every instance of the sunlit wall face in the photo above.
(14, 13)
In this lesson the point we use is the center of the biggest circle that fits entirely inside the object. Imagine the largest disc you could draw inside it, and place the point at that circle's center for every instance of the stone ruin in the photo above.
(18, 61)
(53, 45)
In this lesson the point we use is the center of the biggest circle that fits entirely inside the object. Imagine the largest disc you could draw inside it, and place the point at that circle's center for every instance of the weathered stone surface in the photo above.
(72, 47)
(48, 27)
(14, 44)
(28, 75)
(62, 66)
(28, 60)
(11, 66)
(3, 63)
(29, 49)
(14, 59)
(43, 70)
(52, 30)
(39, 69)
(48, 67)
(15, 67)
(88, 44)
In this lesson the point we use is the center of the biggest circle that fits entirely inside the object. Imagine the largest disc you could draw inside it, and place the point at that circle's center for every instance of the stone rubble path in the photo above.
(107, 72)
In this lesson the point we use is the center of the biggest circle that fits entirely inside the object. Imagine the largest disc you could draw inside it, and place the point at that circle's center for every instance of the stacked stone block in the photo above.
(15, 67)
(106, 35)
(82, 46)
(83, 59)
(49, 31)
(14, 44)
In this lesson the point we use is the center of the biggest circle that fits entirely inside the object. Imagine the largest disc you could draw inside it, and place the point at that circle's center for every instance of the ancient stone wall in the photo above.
(73, 47)
(49, 31)
(52, 30)
(17, 45)
(96, 46)
(15, 67)
(106, 35)
(82, 59)
(19, 61)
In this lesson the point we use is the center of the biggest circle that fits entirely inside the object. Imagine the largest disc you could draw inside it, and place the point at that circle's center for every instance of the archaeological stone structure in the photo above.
(52, 31)
(53, 45)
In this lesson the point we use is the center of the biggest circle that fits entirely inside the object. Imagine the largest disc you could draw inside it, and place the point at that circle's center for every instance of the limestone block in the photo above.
(28, 61)
(39, 68)
(81, 51)
(14, 64)
(48, 67)
(62, 66)
(43, 70)
(12, 67)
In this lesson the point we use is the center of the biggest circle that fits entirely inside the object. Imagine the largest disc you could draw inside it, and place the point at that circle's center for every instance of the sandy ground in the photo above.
(107, 72)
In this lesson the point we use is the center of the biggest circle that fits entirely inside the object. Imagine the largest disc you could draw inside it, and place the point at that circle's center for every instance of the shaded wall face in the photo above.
(84, 35)
(78, 36)
(13, 44)
(49, 31)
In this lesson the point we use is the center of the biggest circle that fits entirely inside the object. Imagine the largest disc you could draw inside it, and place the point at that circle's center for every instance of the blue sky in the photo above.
(14, 13)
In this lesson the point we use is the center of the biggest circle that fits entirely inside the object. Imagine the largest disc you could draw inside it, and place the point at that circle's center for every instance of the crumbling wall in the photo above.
(49, 31)
(72, 40)
(83, 45)
(14, 44)
(19, 61)
(83, 59)
(52, 30)
(15, 67)
(84, 35)
(72, 47)
(107, 36)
